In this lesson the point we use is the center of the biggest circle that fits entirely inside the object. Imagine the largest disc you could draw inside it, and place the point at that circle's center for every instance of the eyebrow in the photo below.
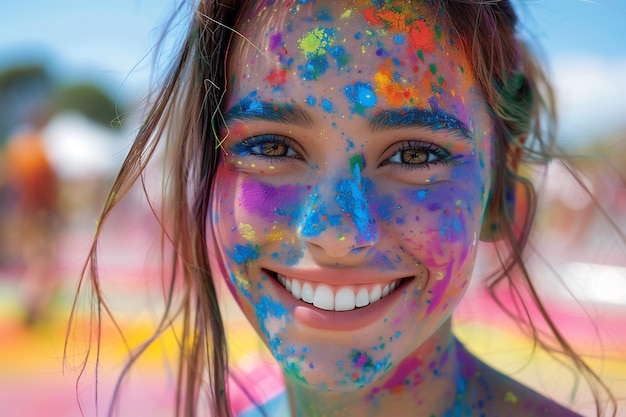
(248, 109)
(430, 119)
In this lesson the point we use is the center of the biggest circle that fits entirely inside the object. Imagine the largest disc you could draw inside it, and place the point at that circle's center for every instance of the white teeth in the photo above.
(324, 298)
(345, 300)
(362, 298)
(375, 294)
(296, 289)
(307, 293)
(338, 299)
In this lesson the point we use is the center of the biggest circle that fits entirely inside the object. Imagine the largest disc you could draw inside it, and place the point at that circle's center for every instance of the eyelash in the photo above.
(254, 146)
(441, 156)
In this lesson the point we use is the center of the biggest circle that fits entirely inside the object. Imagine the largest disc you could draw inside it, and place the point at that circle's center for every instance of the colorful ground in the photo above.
(33, 382)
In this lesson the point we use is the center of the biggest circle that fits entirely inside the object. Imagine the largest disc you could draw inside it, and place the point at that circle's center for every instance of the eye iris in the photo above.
(274, 149)
(414, 156)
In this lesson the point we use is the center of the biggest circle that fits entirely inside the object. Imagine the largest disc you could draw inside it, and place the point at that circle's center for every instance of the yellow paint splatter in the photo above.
(316, 42)
(277, 234)
(346, 14)
(247, 232)
(510, 397)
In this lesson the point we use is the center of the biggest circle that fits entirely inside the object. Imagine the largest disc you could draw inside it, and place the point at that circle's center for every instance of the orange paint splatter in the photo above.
(396, 94)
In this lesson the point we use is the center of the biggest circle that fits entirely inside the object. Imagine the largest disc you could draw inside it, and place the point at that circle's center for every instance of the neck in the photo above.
(424, 384)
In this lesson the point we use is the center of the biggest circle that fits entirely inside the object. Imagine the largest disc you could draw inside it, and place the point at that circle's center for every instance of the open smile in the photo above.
(337, 298)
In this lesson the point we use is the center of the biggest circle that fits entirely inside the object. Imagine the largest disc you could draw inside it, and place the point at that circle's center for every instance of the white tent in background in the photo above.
(81, 149)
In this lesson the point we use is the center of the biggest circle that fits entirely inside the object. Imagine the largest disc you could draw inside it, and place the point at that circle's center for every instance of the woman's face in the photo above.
(356, 167)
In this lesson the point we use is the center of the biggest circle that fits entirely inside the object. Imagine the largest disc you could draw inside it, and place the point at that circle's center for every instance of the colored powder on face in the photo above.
(361, 360)
(383, 207)
(249, 106)
(310, 100)
(361, 95)
(340, 56)
(315, 46)
(242, 254)
(247, 232)
(351, 199)
(321, 15)
(317, 218)
(327, 105)
(421, 37)
(276, 41)
(277, 78)
(398, 39)
(440, 288)
(315, 67)
(271, 203)
(357, 161)
(317, 41)
(396, 94)
(452, 226)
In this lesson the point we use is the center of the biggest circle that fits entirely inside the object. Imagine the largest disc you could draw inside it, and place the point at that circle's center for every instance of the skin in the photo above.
(317, 184)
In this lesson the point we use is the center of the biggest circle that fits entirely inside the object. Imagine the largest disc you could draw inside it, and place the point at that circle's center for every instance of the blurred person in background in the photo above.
(33, 214)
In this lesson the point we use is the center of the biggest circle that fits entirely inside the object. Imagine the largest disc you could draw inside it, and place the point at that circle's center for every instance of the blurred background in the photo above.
(73, 74)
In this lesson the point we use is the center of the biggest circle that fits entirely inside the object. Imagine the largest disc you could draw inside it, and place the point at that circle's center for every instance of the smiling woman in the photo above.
(336, 168)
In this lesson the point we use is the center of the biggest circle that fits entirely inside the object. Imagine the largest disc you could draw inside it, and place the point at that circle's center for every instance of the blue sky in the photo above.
(584, 42)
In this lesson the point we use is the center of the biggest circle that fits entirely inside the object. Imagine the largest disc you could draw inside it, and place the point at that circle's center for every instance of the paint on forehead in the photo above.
(277, 46)
(316, 46)
(396, 93)
(276, 78)
(361, 95)
(405, 19)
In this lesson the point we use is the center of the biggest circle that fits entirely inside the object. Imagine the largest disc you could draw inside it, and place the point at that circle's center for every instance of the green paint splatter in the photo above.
(357, 160)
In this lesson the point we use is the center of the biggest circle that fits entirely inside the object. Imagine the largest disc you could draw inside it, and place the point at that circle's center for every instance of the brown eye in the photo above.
(414, 156)
(267, 146)
(274, 149)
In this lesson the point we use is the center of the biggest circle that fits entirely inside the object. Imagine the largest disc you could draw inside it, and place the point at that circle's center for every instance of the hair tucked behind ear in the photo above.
(185, 115)
(521, 101)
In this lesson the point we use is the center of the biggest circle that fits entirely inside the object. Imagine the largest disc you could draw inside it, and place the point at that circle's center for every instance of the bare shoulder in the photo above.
(501, 396)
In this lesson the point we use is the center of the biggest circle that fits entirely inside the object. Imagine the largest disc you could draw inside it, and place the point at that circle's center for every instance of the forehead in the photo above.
(374, 53)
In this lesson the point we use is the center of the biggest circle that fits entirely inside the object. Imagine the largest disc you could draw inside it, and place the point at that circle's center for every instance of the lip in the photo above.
(313, 317)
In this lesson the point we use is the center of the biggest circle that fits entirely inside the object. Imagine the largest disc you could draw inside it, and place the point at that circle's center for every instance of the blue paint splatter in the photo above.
(242, 254)
(327, 105)
(361, 95)
(310, 100)
(351, 198)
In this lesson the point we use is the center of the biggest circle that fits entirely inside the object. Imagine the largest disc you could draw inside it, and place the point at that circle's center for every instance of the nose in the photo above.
(338, 222)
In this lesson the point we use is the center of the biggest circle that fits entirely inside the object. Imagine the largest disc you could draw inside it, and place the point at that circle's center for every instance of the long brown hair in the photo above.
(185, 118)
